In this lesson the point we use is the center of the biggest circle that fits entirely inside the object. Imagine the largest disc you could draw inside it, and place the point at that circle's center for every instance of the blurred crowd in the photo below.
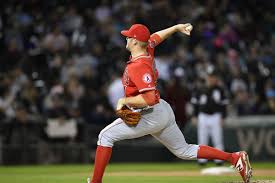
(64, 59)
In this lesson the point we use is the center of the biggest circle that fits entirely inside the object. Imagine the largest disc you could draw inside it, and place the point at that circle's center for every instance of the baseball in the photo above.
(189, 28)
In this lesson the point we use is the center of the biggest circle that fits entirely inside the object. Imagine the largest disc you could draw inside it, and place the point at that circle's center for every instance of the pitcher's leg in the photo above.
(174, 140)
(103, 152)
(114, 132)
(102, 157)
(118, 131)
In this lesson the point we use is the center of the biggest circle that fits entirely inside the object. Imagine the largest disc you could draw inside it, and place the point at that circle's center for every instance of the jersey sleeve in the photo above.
(142, 76)
(153, 42)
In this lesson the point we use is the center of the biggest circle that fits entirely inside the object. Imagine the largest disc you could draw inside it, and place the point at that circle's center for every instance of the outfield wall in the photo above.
(253, 134)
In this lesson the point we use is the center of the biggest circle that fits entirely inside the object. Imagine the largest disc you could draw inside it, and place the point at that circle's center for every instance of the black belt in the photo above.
(147, 111)
(209, 113)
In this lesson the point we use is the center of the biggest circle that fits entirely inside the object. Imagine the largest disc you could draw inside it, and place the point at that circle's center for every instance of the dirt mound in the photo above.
(258, 172)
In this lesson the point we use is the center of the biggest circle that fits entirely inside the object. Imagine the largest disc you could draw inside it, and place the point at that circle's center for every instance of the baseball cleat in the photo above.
(88, 180)
(243, 166)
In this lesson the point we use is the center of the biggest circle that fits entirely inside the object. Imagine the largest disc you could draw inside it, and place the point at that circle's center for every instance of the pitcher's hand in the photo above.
(120, 103)
(185, 28)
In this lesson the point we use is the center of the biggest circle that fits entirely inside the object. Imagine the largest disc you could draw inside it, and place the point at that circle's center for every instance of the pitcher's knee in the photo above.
(105, 139)
(188, 152)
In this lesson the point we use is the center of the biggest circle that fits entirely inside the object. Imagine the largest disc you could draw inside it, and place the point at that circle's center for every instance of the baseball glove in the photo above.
(128, 116)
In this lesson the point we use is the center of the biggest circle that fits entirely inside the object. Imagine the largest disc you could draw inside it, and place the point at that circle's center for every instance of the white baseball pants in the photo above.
(160, 123)
(209, 126)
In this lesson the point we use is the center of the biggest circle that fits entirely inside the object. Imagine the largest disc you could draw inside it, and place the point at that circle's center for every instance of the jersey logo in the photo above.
(147, 78)
(203, 99)
(216, 96)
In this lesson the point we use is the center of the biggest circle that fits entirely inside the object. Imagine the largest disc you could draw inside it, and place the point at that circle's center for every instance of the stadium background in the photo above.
(61, 63)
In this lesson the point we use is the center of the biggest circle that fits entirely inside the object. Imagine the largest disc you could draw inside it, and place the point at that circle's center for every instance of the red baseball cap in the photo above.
(138, 31)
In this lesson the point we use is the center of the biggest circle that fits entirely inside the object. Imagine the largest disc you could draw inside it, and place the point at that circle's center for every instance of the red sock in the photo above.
(207, 152)
(102, 157)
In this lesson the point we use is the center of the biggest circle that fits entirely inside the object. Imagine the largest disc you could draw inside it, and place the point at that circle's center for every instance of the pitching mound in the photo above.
(217, 171)
(258, 172)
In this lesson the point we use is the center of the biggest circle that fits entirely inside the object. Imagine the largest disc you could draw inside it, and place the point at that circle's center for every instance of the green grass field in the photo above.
(127, 172)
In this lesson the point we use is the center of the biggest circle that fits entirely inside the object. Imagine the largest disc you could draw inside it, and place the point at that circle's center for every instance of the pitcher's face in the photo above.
(130, 43)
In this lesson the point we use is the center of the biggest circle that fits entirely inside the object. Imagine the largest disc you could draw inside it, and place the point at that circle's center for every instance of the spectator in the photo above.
(115, 91)
(270, 95)
(177, 96)
(23, 134)
(7, 98)
(56, 41)
(241, 96)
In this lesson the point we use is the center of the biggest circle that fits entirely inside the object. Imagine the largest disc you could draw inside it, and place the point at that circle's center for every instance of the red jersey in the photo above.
(140, 74)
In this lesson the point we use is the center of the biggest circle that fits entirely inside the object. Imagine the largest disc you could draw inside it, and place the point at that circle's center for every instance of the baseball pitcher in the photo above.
(142, 111)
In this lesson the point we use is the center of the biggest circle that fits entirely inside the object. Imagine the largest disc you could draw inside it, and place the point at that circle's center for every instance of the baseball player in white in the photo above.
(210, 111)
(139, 80)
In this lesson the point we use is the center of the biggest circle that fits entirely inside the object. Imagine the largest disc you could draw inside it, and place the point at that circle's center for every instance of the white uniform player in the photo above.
(139, 80)
(210, 110)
